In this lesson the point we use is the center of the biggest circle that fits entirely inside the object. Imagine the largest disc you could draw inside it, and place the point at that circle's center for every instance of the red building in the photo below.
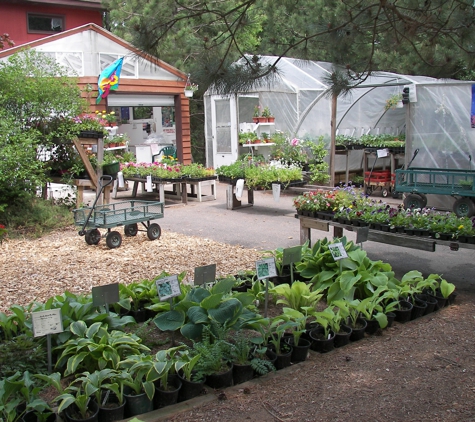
(29, 20)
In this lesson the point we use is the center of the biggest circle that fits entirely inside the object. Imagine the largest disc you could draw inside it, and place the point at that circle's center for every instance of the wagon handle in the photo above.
(414, 156)
(109, 179)
(470, 161)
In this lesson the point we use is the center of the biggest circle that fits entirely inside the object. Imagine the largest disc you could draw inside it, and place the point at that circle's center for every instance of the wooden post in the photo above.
(333, 140)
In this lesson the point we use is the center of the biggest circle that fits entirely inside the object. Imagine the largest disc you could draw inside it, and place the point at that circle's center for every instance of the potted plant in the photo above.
(190, 89)
(299, 344)
(105, 382)
(322, 335)
(215, 362)
(241, 356)
(278, 328)
(192, 381)
(139, 390)
(75, 398)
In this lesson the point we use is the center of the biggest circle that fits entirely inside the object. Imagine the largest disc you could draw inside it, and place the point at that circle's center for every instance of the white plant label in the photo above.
(338, 251)
(148, 184)
(47, 322)
(265, 268)
(382, 152)
(239, 188)
(120, 178)
(276, 191)
(168, 287)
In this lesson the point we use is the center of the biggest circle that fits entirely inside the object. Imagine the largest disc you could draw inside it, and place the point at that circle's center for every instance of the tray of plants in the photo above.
(126, 213)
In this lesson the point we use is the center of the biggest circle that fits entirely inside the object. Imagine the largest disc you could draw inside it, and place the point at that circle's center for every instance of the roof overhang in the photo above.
(82, 4)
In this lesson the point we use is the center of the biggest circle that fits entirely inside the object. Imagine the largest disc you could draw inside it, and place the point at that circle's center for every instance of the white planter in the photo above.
(188, 93)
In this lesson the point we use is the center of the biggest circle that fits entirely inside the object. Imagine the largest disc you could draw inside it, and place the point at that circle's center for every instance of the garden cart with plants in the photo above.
(417, 182)
(127, 213)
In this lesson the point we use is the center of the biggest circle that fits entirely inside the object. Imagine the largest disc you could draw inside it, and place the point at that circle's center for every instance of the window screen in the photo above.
(45, 23)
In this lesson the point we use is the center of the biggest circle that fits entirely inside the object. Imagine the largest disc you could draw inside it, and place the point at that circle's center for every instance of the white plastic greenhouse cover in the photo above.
(437, 120)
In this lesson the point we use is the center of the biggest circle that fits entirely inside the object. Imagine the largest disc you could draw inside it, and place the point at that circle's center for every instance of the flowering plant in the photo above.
(191, 87)
(108, 117)
(257, 111)
(89, 122)
(3, 232)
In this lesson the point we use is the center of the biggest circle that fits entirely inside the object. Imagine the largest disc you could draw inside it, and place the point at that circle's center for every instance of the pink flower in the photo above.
(294, 142)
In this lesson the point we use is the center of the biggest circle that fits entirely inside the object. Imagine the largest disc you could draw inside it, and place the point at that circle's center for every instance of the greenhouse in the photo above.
(436, 121)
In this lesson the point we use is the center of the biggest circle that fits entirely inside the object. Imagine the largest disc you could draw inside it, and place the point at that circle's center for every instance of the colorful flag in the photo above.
(109, 79)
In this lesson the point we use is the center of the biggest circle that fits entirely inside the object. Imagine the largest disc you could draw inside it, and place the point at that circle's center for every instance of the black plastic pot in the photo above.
(221, 380)
(71, 413)
(242, 373)
(283, 360)
(300, 351)
(390, 316)
(189, 389)
(358, 331)
(342, 338)
(162, 397)
(430, 301)
(418, 308)
(320, 343)
(404, 313)
(137, 404)
(372, 326)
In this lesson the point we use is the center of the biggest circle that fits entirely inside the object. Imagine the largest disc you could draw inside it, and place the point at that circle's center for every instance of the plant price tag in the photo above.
(291, 255)
(168, 287)
(205, 274)
(47, 322)
(265, 268)
(338, 251)
(102, 295)
(382, 152)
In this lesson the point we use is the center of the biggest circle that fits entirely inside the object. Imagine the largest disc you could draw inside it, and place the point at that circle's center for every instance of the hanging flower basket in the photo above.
(188, 93)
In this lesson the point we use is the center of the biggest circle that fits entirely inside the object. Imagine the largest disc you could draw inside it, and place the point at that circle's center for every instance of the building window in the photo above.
(45, 23)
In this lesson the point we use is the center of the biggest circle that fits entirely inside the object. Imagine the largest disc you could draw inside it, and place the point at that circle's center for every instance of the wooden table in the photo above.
(365, 233)
(159, 187)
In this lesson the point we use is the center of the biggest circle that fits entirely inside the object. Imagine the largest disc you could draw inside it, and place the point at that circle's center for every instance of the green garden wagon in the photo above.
(418, 182)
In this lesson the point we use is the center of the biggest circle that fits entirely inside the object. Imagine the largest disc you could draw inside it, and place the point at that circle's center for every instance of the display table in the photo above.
(365, 233)
(160, 187)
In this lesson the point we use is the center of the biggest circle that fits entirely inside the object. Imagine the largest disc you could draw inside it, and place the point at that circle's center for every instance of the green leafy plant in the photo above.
(298, 295)
(94, 347)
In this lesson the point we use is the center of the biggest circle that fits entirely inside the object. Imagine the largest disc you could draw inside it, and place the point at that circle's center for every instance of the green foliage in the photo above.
(298, 295)
(37, 102)
(22, 353)
(36, 217)
(95, 348)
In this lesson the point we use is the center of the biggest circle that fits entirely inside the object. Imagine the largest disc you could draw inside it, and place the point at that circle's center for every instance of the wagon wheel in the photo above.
(92, 237)
(113, 239)
(154, 231)
(131, 229)
(413, 200)
(369, 190)
(395, 194)
(385, 192)
(464, 207)
(424, 199)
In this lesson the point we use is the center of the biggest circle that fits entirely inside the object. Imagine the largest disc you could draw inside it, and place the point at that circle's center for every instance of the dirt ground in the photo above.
(423, 370)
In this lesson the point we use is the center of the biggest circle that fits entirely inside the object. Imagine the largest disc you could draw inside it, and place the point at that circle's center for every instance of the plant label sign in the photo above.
(276, 191)
(381, 153)
(205, 274)
(338, 251)
(47, 322)
(103, 295)
(265, 268)
(168, 287)
(291, 255)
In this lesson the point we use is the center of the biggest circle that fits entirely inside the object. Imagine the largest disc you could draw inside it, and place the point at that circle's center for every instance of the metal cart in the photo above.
(126, 213)
(418, 182)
